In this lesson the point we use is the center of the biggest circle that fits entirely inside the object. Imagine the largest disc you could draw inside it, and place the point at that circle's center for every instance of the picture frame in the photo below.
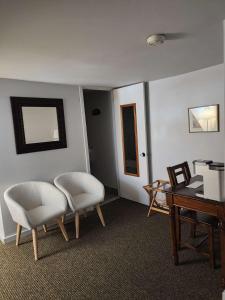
(204, 118)
(39, 124)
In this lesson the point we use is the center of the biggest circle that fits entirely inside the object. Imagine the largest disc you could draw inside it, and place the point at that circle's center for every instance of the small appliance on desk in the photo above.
(213, 178)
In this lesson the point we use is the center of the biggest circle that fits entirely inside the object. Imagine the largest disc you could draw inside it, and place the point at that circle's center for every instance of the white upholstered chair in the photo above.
(34, 203)
(82, 191)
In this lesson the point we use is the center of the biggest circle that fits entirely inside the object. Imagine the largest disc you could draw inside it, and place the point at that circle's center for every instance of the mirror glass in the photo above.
(130, 145)
(40, 124)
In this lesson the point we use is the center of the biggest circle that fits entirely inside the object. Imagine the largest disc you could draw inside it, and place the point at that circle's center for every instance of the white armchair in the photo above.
(82, 191)
(32, 204)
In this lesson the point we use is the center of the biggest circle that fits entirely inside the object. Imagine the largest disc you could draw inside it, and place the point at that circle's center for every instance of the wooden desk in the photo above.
(185, 197)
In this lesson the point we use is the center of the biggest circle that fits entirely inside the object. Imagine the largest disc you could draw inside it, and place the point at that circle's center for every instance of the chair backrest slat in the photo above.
(177, 170)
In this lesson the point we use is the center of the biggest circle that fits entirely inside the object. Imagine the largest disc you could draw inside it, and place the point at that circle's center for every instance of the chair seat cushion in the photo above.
(207, 219)
(44, 213)
(85, 200)
(198, 217)
(188, 213)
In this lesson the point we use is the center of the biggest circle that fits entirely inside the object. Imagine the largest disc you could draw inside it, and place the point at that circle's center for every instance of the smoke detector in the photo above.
(156, 39)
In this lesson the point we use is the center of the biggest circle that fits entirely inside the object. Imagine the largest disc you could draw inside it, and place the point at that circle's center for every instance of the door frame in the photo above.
(84, 129)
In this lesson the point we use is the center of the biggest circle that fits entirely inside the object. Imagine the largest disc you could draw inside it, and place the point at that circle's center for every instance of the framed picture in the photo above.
(204, 118)
(39, 124)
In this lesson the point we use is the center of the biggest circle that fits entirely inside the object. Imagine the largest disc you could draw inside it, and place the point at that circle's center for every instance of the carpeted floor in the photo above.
(129, 259)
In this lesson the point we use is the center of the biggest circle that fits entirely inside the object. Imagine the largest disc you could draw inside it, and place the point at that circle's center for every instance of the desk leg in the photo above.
(178, 227)
(174, 234)
(222, 249)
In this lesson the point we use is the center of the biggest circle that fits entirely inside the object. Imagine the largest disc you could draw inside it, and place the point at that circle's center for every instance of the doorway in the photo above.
(99, 123)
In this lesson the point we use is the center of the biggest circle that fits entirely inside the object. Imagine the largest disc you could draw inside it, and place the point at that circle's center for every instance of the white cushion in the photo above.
(85, 200)
(81, 189)
(34, 203)
(43, 214)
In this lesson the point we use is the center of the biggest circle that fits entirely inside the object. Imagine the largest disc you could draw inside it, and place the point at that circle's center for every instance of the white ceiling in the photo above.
(102, 42)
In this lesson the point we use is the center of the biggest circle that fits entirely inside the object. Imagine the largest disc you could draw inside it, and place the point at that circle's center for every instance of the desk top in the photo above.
(182, 190)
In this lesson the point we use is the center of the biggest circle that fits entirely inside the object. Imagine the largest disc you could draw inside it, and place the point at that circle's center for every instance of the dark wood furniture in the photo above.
(153, 189)
(184, 197)
(177, 170)
(192, 217)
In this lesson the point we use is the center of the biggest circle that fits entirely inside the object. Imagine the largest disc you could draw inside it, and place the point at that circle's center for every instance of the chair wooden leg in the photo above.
(63, 219)
(18, 233)
(211, 247)
(193, 231)
(35, 243)
(45, 228)
(99, 211)
(77, 224)
(63, 230)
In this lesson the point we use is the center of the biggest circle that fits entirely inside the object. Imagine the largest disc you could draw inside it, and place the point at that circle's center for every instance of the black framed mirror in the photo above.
(39, 124)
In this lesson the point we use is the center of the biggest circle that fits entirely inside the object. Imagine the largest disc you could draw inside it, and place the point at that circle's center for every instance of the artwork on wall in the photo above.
(38, 124)
(204, 118)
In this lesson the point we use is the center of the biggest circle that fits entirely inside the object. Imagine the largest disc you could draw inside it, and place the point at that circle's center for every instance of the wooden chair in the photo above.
(192, 217)
(177, 170)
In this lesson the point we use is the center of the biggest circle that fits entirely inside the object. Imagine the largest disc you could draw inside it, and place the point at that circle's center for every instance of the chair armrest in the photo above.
(66, 193)
(94, 186)
(18, 213)
(53, 196)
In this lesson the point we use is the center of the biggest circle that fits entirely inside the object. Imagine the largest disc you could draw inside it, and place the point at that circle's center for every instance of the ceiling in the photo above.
(102, 42)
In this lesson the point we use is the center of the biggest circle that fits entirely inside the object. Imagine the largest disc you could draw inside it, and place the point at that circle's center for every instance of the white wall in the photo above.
(224, 78)
(171, 142)
(39, 165)
(100, 136)
(170, 98)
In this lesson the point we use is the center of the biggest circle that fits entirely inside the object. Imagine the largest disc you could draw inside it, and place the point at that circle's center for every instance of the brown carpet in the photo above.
(129, 259)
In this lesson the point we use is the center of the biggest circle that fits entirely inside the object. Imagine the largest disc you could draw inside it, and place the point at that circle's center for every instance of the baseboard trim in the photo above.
(146, 203)
(25, 232)
(110, 200)
(12, 237)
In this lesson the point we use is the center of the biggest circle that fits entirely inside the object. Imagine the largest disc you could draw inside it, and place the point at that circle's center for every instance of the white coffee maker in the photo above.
(213, 178)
